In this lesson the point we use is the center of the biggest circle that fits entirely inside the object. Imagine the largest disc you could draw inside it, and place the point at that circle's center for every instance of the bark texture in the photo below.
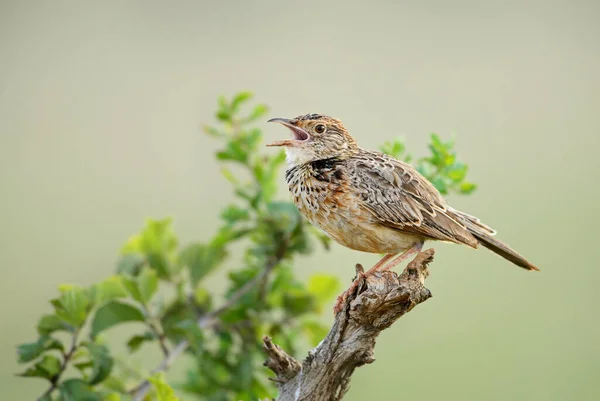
(377, 303)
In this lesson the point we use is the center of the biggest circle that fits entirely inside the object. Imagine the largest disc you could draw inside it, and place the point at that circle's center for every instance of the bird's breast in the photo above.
(328, 200)
(324, 197)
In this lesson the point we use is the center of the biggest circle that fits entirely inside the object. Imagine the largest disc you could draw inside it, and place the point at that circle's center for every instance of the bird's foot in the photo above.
(388, 262)
(341, 299)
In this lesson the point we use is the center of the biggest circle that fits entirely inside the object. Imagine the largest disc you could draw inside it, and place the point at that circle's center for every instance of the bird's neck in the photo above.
(300, 173)
(297, 156)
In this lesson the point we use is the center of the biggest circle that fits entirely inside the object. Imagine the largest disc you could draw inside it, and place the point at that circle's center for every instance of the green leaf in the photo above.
(257, 112)
(395, 148)
(176, 313)
(202, 298)
(34, 371)
(48, 324)
(238, 99)
(457, 172)
(83, 366)
(47, 368)
(269, 178)
(132, 287)
(212, 131)
(232, 214)
(223, 115)
(113, 313)
(437, 144)
(201, 259)
(117, 395)
(102, 362)
(107, 290)
(135, 342)
(192, 333)
(230, 176)
(226, 235)
(273, 164)
(30, 351)
(147, 284)
(80, 353)
(298, 303)
(161, 263)
(440, 184)
(323, 287)
(251, 140)
(50, 364)
(467, 187)
(142, 287)
(283, 283)
(157, 242)
(426, 169)
(223, 103)
(113, 397)
(285, 215)
(131, 264)
(234, 152)
(242, 373)
(117, 383)
(77, 390)
(73, 305)
(164, 392)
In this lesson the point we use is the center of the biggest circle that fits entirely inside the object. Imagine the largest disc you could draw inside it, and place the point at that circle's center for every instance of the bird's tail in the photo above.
(485, 236)
(503, 250)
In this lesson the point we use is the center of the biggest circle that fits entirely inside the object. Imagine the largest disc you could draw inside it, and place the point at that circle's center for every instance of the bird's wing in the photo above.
(398, 196)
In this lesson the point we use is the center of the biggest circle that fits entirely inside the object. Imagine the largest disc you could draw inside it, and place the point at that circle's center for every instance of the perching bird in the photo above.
(369, 201)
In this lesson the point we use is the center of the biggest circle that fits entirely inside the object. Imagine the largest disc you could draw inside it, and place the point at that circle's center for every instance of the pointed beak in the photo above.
(299, 134)
(284, 121)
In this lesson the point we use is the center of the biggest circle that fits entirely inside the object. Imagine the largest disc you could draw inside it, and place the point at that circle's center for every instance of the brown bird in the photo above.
(369, 201)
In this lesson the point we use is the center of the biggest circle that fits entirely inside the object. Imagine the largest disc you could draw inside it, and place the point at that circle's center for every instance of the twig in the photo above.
(156, 329)
(161, 338)
(208, 321)
(66, 358)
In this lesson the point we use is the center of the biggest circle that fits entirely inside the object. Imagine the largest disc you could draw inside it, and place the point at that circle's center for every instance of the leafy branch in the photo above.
(441, 168)
(207, 321)
(160, 287)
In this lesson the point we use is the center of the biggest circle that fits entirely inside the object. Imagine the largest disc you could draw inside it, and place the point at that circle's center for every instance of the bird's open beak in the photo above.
(299, 134)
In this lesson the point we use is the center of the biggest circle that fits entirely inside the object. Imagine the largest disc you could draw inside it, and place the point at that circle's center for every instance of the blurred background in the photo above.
(100, 112)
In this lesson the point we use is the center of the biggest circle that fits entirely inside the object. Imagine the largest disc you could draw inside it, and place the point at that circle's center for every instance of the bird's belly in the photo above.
(349, 225)
(373, 238)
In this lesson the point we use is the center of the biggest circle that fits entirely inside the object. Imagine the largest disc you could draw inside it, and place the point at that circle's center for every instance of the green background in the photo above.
(100, 109)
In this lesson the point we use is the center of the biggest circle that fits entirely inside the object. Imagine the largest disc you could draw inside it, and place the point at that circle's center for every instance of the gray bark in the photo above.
(379, 300)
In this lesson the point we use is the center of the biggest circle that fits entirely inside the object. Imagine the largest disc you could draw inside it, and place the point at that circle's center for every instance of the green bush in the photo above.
(223, 339)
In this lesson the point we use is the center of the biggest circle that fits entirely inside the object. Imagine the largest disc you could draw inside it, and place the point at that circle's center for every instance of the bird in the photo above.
(369, 201)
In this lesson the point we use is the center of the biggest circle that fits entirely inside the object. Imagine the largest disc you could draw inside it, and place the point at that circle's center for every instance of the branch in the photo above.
(207, 321)
(380, 300)
(66, 358)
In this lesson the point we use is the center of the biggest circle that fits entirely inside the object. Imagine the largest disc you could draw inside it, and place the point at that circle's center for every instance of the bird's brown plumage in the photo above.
(369, 201)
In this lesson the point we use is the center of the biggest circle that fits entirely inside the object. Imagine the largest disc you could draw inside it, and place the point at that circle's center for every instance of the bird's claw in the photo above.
(341, 299)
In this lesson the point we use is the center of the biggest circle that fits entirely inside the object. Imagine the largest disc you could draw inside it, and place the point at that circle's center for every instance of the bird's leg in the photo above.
(416, 248)
(359, 274)
(382, 261)
(384, 264)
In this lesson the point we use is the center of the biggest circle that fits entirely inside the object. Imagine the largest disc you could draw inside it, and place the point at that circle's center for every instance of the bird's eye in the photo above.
(319, 129)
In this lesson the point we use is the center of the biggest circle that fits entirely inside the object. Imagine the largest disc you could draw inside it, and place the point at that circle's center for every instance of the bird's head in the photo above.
(315, 137)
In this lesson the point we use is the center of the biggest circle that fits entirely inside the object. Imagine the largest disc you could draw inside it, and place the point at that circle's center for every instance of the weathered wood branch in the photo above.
(378, 301)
